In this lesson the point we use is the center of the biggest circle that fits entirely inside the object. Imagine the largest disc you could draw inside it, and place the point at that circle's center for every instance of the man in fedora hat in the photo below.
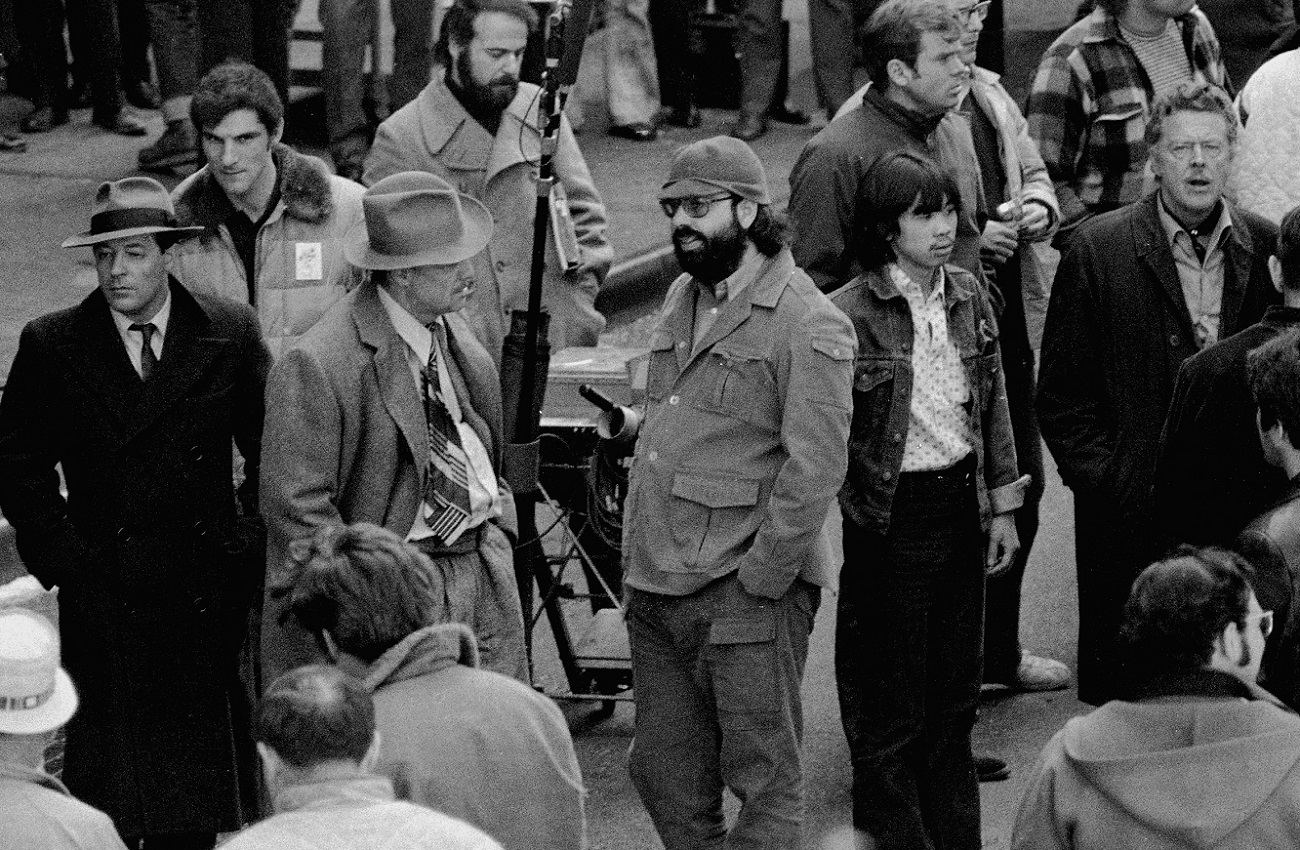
(136, 394)
(389, 411)
(36, 698)
(749, 396)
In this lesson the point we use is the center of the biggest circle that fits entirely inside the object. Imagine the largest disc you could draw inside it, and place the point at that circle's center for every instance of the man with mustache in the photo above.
(749, 395)
(477, 126)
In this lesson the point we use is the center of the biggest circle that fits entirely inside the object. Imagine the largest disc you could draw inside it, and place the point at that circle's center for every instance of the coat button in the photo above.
(672, 399)
(124, 534)
(885, 476)
(681, 344)
(500, 265)
(196, 453)
(653, 455)
(1173, 339)
(898, 438)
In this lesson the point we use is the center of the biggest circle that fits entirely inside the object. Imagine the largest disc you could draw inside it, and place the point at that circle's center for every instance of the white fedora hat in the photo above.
(35, 694)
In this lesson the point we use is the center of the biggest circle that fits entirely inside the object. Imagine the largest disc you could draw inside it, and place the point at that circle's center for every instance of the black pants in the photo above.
(256, 31)
(907, 664)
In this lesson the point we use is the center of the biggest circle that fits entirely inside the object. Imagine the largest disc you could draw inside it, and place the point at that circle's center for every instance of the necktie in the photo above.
(446, 482)
(148, 360)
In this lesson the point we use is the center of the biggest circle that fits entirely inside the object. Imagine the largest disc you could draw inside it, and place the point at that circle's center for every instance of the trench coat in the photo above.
(155, 564)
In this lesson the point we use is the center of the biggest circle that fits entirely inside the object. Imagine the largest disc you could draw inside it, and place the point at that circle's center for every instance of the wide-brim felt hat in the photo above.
(36, 695)
(413, 219)
(132, 206)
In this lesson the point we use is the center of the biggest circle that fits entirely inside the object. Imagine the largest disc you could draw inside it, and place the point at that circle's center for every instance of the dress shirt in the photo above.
(484, 503)
(1202, 281)
(938, 427)
(712, 300)
(134, 340)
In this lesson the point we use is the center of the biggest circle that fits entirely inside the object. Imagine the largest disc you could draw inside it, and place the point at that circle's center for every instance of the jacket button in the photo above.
(672, 399)
(196, 453)
(681, 344)
(124, 534)
(653, 455)
(885, 476)
(898, 438)
(500, 265)
(1173, 339)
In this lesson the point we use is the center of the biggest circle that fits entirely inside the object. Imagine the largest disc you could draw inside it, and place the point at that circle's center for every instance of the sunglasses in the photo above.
(1265, 622)
(978, 11)
(694, 207)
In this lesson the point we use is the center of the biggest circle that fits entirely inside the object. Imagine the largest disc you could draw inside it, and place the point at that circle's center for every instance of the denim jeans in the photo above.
(907, 663)
(717, 676)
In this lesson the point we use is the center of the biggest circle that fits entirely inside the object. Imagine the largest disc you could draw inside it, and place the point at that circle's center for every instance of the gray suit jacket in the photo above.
(344, 427)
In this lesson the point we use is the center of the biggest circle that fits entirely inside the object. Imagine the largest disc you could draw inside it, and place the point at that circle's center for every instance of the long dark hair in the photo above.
(899, 182)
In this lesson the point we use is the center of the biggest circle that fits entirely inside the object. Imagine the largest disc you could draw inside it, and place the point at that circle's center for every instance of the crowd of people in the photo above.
(317, 639)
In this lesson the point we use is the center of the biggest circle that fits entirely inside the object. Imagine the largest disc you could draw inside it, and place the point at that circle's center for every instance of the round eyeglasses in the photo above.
(693, 207)
(978, 11)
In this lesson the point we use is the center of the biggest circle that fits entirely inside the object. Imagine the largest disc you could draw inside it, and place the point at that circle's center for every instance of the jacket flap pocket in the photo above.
(661, 341)
(871, 375)
(835, 349)
(716, 492)
(726, 630)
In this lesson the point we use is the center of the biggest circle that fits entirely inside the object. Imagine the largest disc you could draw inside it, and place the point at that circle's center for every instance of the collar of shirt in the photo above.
(728, 288)
(134, 340)
(912, 290)
(419, 341)
(1173, 227)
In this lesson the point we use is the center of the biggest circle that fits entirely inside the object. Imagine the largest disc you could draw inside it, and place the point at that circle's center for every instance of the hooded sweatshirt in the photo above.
(1218, 769)
(474, 744)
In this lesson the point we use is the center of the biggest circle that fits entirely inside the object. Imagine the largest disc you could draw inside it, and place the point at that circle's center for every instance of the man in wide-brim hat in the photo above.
(389, 411)
(137, 393)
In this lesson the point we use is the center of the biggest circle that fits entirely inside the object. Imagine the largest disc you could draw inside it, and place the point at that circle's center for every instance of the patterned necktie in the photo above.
(148, 360)
(446, 482)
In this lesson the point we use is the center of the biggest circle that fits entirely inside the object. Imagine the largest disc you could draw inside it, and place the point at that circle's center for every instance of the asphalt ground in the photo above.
(45, 195)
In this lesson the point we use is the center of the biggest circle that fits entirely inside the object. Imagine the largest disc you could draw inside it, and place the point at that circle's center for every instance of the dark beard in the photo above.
(478, 99)
(717, 258)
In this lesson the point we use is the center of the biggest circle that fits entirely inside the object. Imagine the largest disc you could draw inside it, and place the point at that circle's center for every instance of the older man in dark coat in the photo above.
(1139, 290)
(136, 393)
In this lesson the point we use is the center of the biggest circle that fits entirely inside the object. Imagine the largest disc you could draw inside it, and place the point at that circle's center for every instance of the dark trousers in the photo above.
(833, 26)
(173, 28)
(256, 31)
(670, 25)
(717, 678)
(133, 29)
(39, 27)
(100, 53)
(907, 663)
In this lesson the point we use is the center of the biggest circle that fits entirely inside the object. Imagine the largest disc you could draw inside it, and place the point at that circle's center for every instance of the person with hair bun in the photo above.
(929, 509)
(473, 744)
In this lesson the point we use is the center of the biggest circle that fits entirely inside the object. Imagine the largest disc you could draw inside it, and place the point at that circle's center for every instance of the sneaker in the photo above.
(175, 147)
(991, 769)
(1036, 673)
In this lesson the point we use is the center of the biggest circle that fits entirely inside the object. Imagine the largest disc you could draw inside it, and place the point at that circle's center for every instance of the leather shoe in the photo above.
(1036, 673)
(991, 769)
(142, 95)
(176, 146)
(638, 132)
(683, 116)
(786, 115)
(123, 125)
(749, 127)
(44, 119)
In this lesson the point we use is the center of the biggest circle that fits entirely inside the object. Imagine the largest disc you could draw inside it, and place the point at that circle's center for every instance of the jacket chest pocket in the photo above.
(873, 396)
(742, 386)
(661, 373)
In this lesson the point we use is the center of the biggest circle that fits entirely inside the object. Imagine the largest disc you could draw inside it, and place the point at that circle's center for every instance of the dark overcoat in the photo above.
(155, 564)
(1117, 331)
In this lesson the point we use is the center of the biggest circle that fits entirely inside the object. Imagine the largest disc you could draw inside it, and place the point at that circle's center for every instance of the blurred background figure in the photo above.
(256, 31)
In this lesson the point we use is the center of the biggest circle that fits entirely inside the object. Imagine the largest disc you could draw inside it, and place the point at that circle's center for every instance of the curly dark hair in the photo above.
(899, 182)
(234, 85)
(1273, 373)
(458, 23)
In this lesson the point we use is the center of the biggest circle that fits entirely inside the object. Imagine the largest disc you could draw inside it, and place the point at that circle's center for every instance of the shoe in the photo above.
(749, 127)
(991, 769)
(683, 116)
(1036, 673)
(123, 125)
(142, 95)
(44, 120)
(176, 146)
(786, 115)
(638, 132)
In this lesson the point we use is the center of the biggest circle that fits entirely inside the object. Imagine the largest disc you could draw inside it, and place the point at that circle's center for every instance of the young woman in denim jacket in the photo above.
(928, 510)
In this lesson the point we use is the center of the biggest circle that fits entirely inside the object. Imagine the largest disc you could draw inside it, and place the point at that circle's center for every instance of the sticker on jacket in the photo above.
(310, 263)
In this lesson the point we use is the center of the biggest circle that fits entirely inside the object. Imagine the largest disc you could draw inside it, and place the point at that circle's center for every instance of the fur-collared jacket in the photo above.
(299, 268)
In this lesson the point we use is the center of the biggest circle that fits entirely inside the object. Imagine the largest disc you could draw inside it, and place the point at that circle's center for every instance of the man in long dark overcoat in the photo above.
(136, 393)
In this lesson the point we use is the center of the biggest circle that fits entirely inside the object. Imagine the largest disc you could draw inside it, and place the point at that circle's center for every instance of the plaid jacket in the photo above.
(1088, 109)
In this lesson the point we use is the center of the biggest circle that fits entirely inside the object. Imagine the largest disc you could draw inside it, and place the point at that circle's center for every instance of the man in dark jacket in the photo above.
(1272, 541)
(918, 75)
(1140, 290)
(136, 393)
(1211, 476)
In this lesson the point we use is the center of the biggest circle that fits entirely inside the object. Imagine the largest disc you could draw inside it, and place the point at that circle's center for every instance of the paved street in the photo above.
(44, 197)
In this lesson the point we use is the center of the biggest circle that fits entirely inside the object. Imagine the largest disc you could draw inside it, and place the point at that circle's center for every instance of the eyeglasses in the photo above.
(1265, 622)
(978, 11)
(694, 207)
(1183, 151)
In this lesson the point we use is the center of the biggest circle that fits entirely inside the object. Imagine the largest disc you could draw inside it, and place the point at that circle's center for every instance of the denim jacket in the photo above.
(882, 395)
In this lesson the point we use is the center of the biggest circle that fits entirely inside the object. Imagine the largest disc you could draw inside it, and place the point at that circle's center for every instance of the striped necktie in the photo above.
(446, 480)
(148, 360)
